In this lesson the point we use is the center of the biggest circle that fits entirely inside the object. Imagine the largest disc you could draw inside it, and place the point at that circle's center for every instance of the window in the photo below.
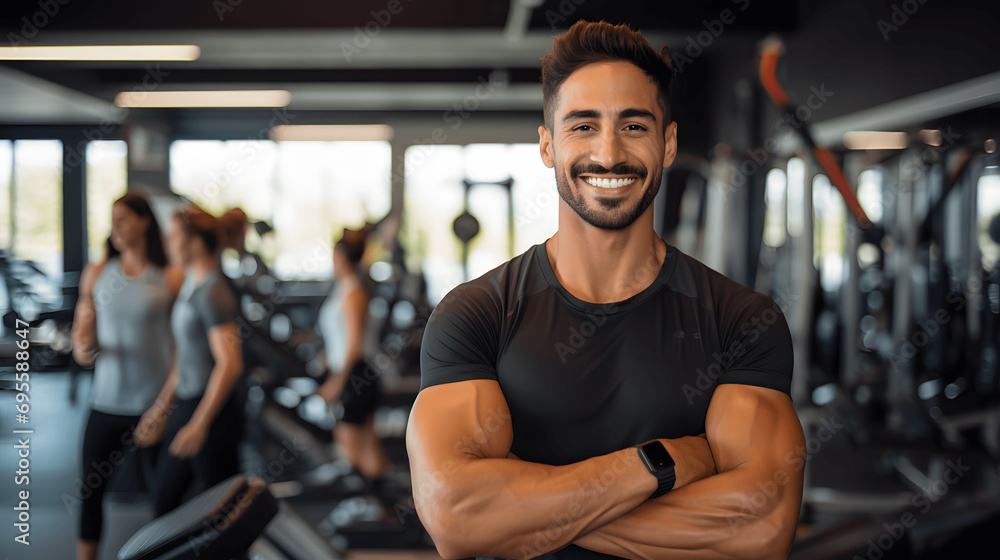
(6, 175)
(435, 197)
(870, 194)
(35, 195)
(307, 191)
(107, 172)
(830, 230)
(988, 208)
(775, 231)
(795, 181)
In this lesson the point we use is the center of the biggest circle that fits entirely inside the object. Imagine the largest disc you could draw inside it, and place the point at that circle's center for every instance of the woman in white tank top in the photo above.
(121, 326)
(350, 381)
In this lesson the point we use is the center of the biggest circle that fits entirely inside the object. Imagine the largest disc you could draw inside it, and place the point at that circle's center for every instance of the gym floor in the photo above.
(58, 424)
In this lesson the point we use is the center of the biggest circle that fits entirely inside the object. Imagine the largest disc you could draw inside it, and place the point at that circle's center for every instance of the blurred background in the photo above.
(421, 117)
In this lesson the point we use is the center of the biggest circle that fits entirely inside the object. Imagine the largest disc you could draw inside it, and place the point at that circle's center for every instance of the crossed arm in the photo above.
(748, 510)
(475, 499)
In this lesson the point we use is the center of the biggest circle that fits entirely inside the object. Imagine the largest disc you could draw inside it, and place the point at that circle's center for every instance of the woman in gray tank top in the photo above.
(205, 419)
(121, 326)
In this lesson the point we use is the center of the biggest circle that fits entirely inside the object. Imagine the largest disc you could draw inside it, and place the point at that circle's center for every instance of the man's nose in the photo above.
(608, 150)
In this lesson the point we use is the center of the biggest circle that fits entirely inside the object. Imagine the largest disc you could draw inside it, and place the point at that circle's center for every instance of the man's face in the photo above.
(608, 145)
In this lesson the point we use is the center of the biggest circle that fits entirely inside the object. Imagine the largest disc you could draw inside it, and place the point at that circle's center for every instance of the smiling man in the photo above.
(563, 409)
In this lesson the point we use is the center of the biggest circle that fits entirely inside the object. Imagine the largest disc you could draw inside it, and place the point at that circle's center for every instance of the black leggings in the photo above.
(361, 396)
(107, 443)
(217, 460)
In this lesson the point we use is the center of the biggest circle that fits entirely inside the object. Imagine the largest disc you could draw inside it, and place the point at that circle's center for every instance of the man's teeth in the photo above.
(609, 183)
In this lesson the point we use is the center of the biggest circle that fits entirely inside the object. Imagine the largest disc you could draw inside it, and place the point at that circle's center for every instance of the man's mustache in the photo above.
(620, 169)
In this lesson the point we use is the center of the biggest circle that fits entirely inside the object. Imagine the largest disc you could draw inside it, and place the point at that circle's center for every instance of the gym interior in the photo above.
(838, 156)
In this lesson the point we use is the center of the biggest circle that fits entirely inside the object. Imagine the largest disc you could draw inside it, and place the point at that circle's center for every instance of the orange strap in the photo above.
(769, 56)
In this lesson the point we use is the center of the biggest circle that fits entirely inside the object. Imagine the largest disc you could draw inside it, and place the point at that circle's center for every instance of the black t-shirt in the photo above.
(584, 379)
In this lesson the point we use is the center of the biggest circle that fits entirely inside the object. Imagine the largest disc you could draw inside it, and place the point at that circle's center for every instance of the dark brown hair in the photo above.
(200, 223)
(353, 242)
(588, 42)
(154, 240)
(232, 225)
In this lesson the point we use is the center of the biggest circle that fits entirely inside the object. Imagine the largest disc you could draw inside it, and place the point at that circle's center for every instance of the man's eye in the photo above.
(584, 128)
(635, 127)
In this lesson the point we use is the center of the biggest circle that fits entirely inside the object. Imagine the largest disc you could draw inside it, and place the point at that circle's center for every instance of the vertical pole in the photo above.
(509, 184)
(850, 308)
(74, 209)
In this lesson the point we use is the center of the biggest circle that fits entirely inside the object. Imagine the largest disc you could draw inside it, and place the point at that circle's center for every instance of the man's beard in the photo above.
(611, 213)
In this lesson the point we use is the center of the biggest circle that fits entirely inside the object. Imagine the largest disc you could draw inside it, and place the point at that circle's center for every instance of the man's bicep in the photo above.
(757, 441)
(456, 422)
(752, 425)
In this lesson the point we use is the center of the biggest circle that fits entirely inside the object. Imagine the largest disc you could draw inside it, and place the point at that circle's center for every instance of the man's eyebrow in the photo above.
(582, 114)
(642, 113)
(624, 114)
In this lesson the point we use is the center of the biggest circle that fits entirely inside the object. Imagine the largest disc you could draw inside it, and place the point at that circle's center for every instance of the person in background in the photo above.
(349, 381)
(233, 228)
(205, 420)
(121, 326)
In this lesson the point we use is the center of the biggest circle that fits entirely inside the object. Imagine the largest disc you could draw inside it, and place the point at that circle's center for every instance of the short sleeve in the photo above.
(758, 345)
(460, 340)
(219, 307)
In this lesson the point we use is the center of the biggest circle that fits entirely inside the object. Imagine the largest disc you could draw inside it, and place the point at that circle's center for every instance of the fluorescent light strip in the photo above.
(931, 136)
(225, 98)
(103, 52)
(874, 140)
(331, 132)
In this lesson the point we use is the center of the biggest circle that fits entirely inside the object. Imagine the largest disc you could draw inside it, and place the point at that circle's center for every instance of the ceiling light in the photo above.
(102, 52)
(874, 140)
(930, 136)
(332, 132)
(225, 98)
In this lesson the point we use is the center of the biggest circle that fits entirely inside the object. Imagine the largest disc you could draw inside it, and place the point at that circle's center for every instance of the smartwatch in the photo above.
(660, 464)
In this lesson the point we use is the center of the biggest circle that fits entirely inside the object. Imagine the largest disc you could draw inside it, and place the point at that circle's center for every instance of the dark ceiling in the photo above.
(418, 58)
(410, 14)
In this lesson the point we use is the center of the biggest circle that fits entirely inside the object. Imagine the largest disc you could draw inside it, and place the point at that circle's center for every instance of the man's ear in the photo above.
(670, 144)
(545, 146)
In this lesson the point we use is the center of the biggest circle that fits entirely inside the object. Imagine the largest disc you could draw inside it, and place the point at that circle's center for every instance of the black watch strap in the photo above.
(660, 464)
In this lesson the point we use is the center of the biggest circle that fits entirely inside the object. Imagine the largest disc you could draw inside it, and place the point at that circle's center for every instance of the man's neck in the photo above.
(602, 266)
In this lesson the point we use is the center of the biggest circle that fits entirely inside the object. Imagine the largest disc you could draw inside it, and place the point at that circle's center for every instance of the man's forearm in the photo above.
(543, 508)
(747, 512)
(516, 509)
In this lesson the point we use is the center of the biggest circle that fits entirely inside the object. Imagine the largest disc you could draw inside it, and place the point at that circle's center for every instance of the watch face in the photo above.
(658, 455)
